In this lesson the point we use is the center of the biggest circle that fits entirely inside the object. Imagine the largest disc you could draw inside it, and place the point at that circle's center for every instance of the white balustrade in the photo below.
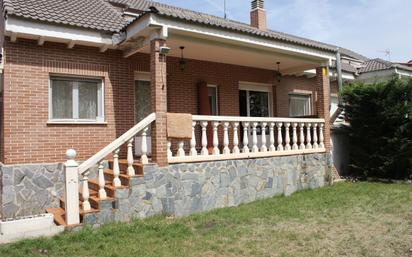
(130, 160)
(287, 136)
(216, 150)
(226, 149)
(264, 147)
(143, 158)
(102, 182)
(193, 151)
(205, 151)
(236, 149)
(290, 138)
(246, 137)
(169, 149)
(85, 192)
(272, 147)
(315, 136)
(116, 168)
(294, 136)
(308, 136)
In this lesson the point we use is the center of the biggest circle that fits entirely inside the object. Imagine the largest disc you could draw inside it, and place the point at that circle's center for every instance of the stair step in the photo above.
(95, 202)
(110, 189)
(138, 167)
(59, 216)
(125, 179)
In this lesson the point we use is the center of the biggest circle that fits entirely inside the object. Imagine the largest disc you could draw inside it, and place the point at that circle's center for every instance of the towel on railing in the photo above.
(179, 125)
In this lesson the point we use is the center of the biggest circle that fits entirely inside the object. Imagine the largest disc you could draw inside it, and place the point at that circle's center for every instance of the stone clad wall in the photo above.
(180, 189)
(191, 188)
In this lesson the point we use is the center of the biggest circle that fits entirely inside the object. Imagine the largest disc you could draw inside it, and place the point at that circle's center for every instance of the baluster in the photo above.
(301, 137)
(226, 149)
(85, 192)
(204, 138)
(315, 136)
(193, 151)
(130, 161)
(180, 149)
(144, 158)
(263, 147)
(308, 136)
(102, 182)
(236, 149)
(116, 169)
(294, 137)
(245, 137)
(287, 137)
(272, 147)
(321, 138)
(216, 150)
(280, 138)
(169, 149)
(255, 148)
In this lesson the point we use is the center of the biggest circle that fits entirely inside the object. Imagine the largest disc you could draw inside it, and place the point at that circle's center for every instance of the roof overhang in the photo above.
(221, 45)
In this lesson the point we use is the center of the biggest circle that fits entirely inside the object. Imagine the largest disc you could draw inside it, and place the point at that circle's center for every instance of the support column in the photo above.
(323, 90)
(159, 102)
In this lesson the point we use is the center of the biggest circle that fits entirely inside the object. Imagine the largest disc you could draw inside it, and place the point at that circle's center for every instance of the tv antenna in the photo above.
(387, 53)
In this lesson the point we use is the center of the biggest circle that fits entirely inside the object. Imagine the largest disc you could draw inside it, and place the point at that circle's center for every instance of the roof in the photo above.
(101, 15)
(90, 14)
(379, 64)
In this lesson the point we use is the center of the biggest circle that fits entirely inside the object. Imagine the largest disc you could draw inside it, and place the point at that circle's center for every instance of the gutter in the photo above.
(339, 71)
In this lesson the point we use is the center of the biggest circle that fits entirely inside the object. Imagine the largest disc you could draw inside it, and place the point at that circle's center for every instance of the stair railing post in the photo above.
(71, 201)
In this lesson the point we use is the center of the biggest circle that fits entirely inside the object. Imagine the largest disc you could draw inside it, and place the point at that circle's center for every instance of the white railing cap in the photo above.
(256, 119)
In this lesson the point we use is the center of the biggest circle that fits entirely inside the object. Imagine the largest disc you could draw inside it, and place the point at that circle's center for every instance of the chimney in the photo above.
(258, 15)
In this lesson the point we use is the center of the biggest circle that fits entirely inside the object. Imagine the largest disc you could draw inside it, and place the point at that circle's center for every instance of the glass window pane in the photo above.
(88, 108)
(142, 106)
(62, 99)
(299, 105)
(212, 93)
(259, 104)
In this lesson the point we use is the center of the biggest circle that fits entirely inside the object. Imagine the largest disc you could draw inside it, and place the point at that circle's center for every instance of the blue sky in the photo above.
(369, 27)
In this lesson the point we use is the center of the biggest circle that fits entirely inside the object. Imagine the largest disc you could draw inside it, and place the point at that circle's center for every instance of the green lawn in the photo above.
(348, 219)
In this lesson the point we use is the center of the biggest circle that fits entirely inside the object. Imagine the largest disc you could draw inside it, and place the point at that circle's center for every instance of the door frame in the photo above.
(257, 87)
(140, 76)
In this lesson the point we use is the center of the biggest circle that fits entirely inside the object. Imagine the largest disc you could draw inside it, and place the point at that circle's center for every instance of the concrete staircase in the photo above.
(97, 203)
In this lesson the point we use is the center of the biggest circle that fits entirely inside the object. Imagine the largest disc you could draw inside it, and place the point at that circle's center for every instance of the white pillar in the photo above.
(308, 136)
(272, 147)
(236, 149)
(245, 137)
(301, 136)
(102, 182)
(130, 161)
(204, 138)
(315, 136)
(180, 149)
(85, 192)
(255, 148)
(193, 151)
(280, 138)
(216, 150)
(287, 137)
(116, 169)
(71, 193)
(226, 149)
(321, 137)
(294, 137)
(143, 158)
(263, 147)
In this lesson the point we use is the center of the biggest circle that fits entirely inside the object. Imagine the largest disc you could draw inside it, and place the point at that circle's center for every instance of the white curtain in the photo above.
(299, 105)
(62, 99)
(88, 100)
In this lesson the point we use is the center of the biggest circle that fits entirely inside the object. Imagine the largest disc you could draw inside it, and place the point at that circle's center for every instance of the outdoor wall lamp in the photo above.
(278, 75)
(182, 62)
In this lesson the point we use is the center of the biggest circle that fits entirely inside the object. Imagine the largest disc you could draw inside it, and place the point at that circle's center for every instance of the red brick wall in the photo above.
(29, 139)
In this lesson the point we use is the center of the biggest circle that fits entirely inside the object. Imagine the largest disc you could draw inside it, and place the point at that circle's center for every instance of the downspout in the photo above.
(339, 72)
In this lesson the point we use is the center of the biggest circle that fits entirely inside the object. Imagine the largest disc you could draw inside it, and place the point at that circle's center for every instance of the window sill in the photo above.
(63, 122)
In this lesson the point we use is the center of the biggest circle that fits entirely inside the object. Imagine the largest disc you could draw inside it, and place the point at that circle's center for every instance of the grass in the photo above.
(348, 219)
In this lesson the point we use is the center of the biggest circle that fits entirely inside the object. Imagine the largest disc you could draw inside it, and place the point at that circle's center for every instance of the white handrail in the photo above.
(251, 119)
(116, 143)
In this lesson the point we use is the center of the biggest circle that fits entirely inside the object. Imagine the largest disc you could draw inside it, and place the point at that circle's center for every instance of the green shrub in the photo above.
(380, 131)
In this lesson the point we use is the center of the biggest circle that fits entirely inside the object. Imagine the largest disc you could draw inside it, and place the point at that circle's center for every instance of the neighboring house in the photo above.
(100, 76)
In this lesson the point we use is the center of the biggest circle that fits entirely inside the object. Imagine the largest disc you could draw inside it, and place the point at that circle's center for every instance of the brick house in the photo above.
(101, 76)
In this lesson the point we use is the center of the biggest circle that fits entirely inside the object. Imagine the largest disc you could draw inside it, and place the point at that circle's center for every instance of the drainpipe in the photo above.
(339, 71)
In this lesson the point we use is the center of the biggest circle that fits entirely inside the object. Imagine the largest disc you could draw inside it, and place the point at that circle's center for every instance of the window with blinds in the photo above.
(299, 105)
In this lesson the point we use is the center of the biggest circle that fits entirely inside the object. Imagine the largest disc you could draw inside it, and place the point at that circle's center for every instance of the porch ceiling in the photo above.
(225, 51)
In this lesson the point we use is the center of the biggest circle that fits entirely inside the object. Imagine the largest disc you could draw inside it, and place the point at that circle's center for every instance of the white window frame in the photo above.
(100, 119)
(257, 87)
(217, 96)
(309, 95)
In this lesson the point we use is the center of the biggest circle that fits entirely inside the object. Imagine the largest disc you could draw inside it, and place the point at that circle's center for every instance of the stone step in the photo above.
(95, 203)
(110, 189)
(60, 215)
(125, 179)
(138, 167)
